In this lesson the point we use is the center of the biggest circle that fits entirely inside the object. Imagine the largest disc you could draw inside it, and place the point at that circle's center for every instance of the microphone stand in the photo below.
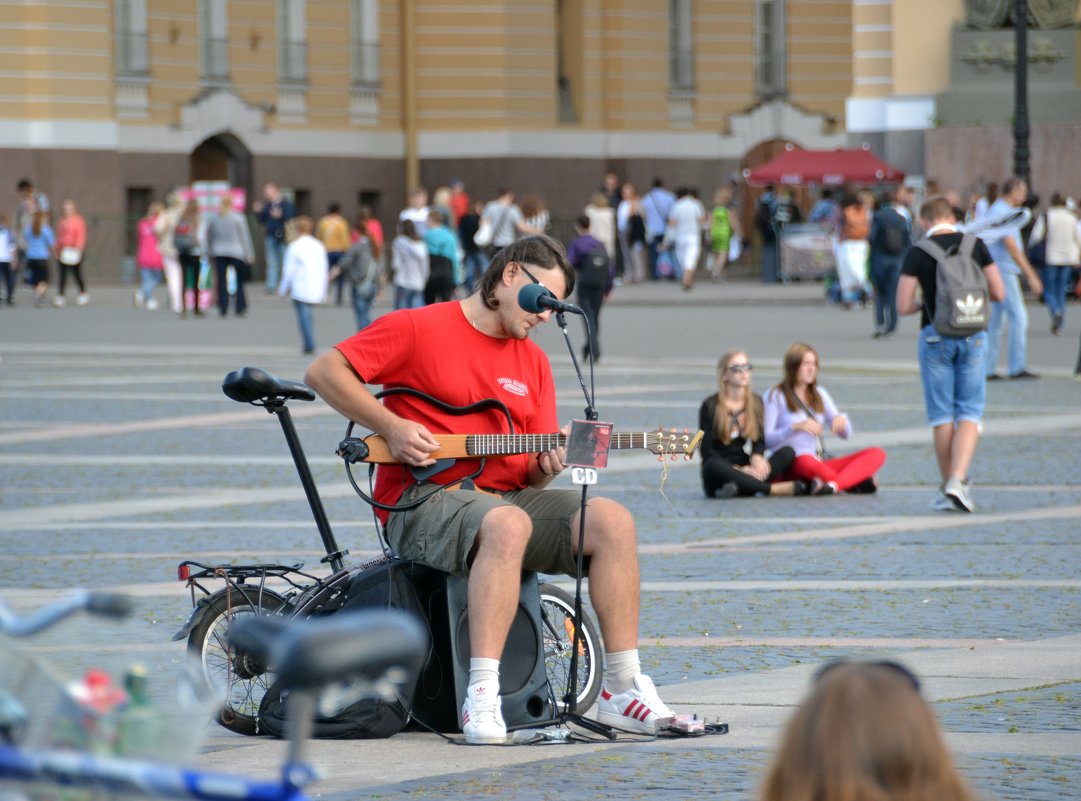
(570, 713)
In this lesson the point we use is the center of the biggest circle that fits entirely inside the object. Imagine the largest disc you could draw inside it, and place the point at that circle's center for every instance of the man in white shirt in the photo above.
(686, 222)
(1009, 254)
(304, 277)
(417, 210)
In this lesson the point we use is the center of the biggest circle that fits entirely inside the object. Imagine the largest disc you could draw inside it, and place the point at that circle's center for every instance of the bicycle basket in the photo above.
(39, 710)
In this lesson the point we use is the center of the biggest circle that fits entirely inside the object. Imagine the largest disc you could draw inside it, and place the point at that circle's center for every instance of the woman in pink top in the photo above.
(148, 257)
(797, 414)
(70, 246)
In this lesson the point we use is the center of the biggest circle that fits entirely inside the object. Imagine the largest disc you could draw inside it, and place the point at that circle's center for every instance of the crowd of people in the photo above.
(456, 268)
(29, 243)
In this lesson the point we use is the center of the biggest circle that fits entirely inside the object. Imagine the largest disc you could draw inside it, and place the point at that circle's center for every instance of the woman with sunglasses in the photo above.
(864, 733)
(798, 413)
(733, 448)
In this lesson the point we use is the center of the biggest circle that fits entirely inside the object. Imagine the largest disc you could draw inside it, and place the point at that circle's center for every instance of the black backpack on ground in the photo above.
(387, 583)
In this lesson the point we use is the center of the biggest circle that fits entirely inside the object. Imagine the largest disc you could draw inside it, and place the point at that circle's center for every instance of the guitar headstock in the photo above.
(673, 443)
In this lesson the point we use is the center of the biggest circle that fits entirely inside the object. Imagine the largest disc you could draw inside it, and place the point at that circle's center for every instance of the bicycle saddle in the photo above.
(312, 653)
(252, 384)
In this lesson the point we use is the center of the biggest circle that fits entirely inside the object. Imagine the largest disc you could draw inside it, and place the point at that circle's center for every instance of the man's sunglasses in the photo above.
(532, 277)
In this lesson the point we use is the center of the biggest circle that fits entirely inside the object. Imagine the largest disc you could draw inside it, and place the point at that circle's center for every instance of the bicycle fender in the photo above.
(202, 607)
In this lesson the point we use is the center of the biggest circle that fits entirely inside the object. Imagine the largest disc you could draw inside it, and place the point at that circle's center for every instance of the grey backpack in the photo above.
(962, 303)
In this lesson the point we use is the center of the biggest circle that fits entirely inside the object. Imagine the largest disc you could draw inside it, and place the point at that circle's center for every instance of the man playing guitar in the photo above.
(463, 352)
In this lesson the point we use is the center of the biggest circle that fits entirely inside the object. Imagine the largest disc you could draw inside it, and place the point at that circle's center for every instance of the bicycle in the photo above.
(278, 590)
(366, 653)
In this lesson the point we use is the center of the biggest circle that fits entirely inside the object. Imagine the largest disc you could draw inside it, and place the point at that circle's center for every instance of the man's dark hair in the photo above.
(582, 222)
(657, 183)
(24, 184)
(333, 208)
(540, 250)
(827, 194)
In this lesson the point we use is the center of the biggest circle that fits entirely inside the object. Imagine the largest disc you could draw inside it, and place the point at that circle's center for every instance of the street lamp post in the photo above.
(1020, 112)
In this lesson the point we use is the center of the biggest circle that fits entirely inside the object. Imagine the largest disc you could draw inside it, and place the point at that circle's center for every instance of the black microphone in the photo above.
(538, 299)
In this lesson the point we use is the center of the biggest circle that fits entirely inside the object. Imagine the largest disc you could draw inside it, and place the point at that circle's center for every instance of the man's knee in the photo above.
(504, 532)
(608, 525)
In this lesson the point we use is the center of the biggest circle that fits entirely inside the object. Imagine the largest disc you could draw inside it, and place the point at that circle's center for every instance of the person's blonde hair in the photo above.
(303, 225)
(863, 734)
(752, 405)
(793, 358)
(723, 196)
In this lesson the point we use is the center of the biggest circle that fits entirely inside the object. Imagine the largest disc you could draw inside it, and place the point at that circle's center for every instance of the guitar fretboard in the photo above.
(503, 444)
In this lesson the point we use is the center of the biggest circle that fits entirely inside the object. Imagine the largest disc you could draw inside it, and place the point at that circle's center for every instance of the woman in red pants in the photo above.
(798, 413)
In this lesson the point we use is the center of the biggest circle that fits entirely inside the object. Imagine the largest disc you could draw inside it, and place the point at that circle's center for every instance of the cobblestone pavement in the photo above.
(119, 457)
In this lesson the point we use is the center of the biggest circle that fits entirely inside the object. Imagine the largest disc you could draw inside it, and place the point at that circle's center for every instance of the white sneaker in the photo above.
(639, 709)
(957, 492)
(137, 299)
(58, 301)
(151, 305)
(482, 715)
(942, 504)
(82, 300)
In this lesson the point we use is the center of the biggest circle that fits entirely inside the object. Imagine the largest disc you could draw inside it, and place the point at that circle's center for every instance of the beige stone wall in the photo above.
(65, 55)
(820, 65)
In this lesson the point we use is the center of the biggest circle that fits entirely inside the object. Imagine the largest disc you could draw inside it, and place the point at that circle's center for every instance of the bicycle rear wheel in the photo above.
(239, 679)
(557, 629)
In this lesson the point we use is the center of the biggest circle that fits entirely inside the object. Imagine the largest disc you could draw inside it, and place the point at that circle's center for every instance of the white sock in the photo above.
(483, 670)
(620, 668)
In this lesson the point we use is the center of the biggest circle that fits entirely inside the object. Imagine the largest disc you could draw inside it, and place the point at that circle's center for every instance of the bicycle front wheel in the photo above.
(557, 627)
(237, 678)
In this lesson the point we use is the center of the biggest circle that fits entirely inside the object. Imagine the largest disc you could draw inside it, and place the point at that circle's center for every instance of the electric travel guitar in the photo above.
(671, 443)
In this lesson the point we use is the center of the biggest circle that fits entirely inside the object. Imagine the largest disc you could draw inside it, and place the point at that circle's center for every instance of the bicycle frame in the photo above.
(116, 775)
(246, 388)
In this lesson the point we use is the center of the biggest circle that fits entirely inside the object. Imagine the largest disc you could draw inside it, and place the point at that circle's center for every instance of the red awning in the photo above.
(827, 167)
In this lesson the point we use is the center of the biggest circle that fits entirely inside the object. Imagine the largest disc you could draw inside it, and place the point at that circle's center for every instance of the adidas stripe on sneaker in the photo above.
(639, 709)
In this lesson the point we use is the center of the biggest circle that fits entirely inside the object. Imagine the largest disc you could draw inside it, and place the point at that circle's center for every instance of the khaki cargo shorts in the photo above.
(441, 532)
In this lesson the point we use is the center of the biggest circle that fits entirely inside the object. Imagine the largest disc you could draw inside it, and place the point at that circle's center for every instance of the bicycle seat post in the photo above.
(334, 556)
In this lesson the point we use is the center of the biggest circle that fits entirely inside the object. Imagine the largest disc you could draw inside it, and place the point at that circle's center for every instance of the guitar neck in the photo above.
(510, 444)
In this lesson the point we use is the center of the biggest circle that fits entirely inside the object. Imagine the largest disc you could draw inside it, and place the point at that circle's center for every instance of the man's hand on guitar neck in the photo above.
(548, 464)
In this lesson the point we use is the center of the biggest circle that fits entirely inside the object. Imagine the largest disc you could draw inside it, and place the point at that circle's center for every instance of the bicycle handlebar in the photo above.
(102, 604)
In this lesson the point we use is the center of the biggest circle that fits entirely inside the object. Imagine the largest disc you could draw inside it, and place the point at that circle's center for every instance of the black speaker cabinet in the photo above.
(522, 677)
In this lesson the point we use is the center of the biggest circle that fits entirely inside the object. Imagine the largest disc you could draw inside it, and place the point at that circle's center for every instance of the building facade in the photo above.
(113, 103)
(933, 90)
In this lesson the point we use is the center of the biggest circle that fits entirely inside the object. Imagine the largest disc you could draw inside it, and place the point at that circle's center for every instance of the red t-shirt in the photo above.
(437, 350)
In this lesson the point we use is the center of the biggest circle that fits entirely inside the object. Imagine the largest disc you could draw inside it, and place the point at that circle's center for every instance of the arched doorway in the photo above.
(222, 157)
(758, 155)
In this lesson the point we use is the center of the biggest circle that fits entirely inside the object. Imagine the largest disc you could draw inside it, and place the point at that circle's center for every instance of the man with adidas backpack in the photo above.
(958, 280)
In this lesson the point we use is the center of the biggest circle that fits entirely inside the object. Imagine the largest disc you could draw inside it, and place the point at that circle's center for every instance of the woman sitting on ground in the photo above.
(733, 448)
(864, 733)
(798, 412)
